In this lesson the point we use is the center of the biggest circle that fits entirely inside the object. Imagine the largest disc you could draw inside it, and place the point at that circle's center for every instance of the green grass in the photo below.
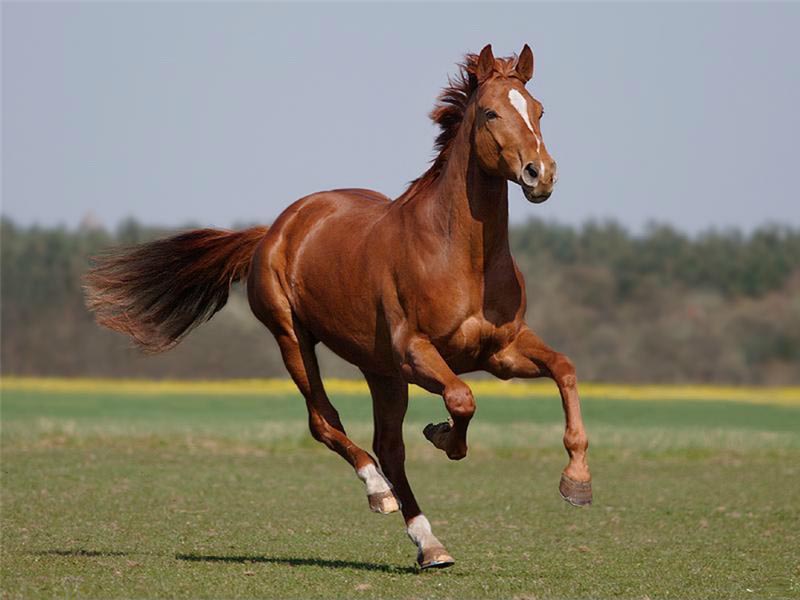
(200, 496)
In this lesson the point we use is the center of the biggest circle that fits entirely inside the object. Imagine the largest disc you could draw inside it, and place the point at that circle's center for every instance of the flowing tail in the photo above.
(159, 291)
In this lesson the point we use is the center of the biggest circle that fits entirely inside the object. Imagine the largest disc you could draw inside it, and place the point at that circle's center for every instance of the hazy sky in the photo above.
(217, 113)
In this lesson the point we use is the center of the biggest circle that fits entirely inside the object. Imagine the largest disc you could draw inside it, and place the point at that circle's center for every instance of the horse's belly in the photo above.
(342, 315)
(337, 303)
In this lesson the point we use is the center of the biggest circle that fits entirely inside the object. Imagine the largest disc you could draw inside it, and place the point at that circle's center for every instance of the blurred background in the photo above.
(670, 251)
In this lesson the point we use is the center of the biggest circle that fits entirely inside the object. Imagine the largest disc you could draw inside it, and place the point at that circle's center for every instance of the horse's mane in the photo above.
(448, 113)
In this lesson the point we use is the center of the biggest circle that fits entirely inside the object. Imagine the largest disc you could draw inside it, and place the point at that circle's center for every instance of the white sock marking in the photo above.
(375, 481)
(419, 530)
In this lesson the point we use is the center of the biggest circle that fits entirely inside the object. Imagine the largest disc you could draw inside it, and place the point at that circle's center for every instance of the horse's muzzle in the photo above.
(532, 196)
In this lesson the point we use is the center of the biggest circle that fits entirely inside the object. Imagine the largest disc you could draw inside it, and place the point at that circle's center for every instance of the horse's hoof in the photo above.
(383, 502)
(577, 493)
(434, 558)
(439, 436)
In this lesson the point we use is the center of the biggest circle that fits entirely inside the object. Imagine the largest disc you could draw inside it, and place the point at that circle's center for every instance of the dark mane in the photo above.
(448, 113)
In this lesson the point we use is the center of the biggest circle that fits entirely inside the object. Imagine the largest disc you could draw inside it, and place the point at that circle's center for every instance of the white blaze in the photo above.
(521, 106)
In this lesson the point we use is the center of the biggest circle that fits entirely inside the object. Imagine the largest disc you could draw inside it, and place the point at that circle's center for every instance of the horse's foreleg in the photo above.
(389, 402)
(528, 356)
(326, 427)
(424, 366)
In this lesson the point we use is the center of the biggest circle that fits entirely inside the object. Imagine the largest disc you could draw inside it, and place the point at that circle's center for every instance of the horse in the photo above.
(417, 290)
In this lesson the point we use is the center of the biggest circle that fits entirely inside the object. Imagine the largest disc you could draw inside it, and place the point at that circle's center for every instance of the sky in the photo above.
(217, 114)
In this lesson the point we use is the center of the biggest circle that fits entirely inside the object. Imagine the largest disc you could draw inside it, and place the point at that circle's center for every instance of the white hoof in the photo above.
(379, 493)
(384, 503)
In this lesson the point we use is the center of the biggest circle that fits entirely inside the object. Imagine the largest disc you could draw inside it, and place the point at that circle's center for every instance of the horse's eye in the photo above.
(490, 114)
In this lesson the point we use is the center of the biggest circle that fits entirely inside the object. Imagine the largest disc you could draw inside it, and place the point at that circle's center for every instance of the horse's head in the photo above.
(507, 135)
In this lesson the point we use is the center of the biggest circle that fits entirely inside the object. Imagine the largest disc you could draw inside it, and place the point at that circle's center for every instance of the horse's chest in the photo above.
(467, 320)
(463, 330)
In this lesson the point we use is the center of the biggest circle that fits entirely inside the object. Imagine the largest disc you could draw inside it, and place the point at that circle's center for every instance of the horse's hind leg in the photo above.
(389, 402)
(326, 427)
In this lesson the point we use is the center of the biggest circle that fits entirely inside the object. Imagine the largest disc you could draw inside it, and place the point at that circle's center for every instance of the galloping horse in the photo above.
(415, 290)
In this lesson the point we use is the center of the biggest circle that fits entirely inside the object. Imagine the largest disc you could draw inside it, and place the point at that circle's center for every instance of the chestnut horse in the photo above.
(415, 290)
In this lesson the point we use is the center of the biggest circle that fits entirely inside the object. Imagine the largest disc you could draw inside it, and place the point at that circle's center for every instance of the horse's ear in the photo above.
(485, 64)
(524, 66)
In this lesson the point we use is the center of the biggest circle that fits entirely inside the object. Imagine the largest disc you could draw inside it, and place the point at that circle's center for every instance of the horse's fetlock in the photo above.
(460, 401)
(576, 441)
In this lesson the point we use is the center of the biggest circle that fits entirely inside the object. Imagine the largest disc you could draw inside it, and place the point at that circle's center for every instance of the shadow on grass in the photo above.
(80, 552)
(295, 562)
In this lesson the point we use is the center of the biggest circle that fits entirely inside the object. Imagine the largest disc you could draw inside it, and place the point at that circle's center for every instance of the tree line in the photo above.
(660, 306)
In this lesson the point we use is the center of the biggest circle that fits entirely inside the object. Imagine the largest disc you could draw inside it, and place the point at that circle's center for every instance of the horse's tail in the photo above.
(159, 291)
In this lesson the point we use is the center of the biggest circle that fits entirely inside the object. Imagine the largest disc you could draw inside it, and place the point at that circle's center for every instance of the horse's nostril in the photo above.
(530, 176)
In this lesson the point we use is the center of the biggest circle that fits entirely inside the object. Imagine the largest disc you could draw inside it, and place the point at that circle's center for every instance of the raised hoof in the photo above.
(577, 493)
(384, 502)
(439, 436)
(434, 558)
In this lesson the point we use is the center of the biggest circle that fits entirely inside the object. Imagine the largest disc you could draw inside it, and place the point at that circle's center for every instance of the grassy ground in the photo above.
(133, 491)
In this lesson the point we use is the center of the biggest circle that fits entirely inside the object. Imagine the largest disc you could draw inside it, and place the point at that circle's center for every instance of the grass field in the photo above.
(125, 489)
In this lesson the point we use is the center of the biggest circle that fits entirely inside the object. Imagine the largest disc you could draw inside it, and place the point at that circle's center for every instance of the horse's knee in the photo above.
(459, 401)
(563, 370)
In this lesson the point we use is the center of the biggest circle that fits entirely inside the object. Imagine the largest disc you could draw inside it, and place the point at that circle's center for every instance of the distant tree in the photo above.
(721, 306)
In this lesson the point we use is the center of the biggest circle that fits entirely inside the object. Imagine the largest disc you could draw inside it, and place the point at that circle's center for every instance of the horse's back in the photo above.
(361, 193)
(320, 226)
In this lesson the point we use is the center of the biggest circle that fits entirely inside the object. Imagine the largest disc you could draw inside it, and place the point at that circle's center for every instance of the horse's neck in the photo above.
(469, 207)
